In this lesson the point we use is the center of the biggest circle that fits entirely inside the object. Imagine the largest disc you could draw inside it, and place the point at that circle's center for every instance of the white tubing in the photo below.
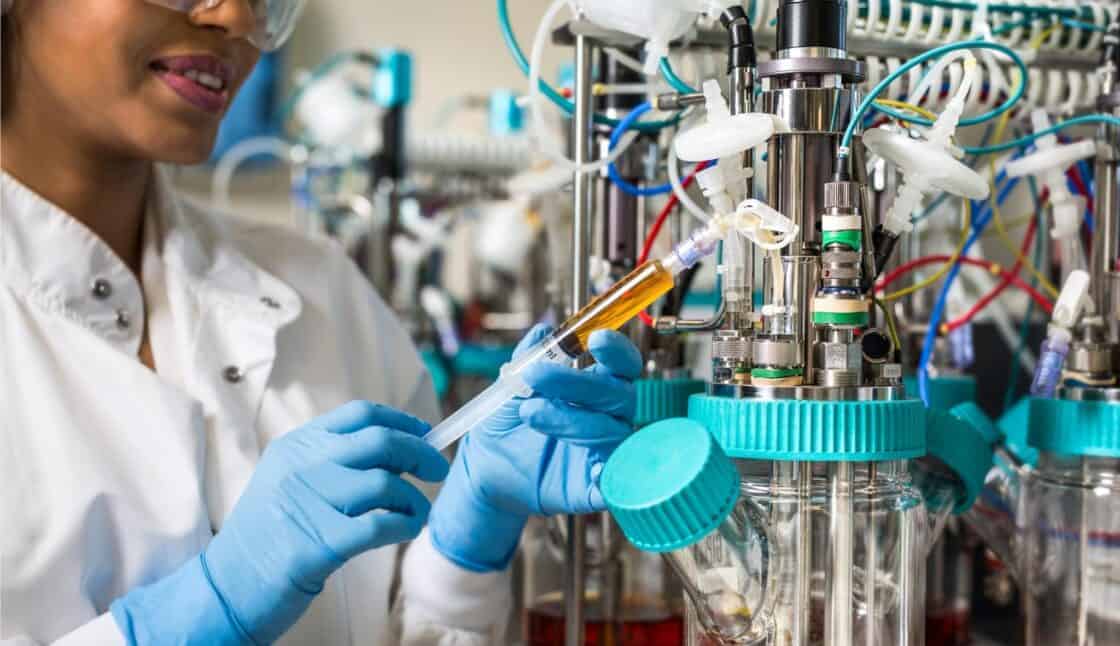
(235, 156)
(538, 134)
(678, 189)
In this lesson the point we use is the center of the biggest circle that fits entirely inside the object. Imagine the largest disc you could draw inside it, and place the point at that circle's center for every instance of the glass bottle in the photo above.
(1056, 523)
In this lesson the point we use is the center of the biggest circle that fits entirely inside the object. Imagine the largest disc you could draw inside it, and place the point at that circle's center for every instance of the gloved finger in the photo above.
(360, 414)
(595, 462)
(355, 492)
(531, 338)
(381, 528)
(377, 447)
(578, 426)
(616, 353)
(587, 388)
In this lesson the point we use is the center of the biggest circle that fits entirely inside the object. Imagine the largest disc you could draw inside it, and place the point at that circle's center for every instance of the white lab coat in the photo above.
(111, 476)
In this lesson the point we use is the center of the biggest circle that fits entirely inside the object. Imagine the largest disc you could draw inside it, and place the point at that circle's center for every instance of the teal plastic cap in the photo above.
(669, 485)
(660, 399)
(801, 430)
(1014, 426)
(970, 414)
(1068, 427)
(963, 448)
(946, 391)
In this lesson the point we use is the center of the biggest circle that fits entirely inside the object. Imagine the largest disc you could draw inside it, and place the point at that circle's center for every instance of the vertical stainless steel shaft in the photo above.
(575, 551)
(839, 598)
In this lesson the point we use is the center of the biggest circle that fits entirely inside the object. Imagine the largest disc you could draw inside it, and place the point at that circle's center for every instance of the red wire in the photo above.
(1004, 284)
(1035, 295)
(1079, 183)
(658, 223)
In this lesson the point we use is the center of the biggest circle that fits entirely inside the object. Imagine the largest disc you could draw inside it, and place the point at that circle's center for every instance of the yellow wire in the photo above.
(944, 269)
(889, 316)
(902, 105)
(1046, 33)
(1001, 231)
(1011, 224)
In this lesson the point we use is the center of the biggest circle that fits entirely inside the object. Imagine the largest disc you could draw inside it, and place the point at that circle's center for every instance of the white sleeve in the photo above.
(102, 631)
(441, 604)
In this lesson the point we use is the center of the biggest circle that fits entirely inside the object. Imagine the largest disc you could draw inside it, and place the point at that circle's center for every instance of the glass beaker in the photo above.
(631, 598)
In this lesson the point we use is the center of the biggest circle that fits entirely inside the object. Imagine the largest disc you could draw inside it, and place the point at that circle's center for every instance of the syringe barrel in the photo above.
(486, 403)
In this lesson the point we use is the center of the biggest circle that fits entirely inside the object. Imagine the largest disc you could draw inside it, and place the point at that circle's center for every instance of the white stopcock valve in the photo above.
(927, 165)
(659, 22)
(1049, 163)
(1071, 303)
(723, 134)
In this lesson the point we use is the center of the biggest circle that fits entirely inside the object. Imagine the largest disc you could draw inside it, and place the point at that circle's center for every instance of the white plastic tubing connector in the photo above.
(1071, 303)
(938, 142)
(1049, 163)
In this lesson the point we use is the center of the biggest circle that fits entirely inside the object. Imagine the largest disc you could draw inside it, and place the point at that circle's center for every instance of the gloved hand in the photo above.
(320, 495)
(540, 455)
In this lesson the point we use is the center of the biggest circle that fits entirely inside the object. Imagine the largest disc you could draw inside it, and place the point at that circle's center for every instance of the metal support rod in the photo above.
(839, 598)
(871, 548)
(803, 597)
(1107, 211)
(1085, 526)
(575, 552)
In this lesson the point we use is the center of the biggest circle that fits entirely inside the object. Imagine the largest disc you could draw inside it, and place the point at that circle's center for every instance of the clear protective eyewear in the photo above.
(275, 19)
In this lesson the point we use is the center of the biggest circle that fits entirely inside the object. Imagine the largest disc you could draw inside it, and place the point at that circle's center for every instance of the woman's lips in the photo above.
(202, 81)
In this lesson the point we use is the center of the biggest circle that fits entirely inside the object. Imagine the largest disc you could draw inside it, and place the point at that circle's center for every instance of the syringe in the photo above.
(609, 310)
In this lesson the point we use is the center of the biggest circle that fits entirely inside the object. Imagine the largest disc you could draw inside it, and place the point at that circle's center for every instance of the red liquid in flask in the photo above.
(638, 625)
(947, 627)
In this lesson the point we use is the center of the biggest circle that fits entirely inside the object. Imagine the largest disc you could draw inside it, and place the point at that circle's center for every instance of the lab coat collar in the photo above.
(64, 267)
(198, 244)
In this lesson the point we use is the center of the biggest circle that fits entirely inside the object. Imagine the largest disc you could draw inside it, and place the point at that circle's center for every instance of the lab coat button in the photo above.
(232, 374)
(123, 319)
(101, 289)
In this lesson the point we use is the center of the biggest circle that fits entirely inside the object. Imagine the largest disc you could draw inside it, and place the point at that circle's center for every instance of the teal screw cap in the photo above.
(1075, 427)
(827, 431)
(971, 414)
(660, 399)
(945, 392)
(1014, 425)
(669, 485)
(964, 448)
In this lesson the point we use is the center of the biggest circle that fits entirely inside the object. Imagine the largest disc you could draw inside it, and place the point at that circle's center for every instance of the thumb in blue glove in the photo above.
(539, 455)
(320, 495)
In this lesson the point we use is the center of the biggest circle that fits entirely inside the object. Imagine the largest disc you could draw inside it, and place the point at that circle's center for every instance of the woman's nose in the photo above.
(236, 17)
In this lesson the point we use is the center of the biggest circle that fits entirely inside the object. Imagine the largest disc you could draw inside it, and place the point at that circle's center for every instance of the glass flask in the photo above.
(847, 541)
(1056, 523)
(949, 580)
(631, 598)
(783, 552)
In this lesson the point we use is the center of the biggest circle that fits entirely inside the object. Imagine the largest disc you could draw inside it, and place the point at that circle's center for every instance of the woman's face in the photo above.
(142, 80)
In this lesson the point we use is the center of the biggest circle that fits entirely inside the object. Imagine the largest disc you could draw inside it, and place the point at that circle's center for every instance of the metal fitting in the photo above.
(841, 198)
(839, 359)
(731, 355)
(780, 352)
(885, 374)
(840, 268)
(673, 101)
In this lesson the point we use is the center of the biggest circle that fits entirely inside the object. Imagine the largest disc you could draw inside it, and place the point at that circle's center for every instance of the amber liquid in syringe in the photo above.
(614, 307)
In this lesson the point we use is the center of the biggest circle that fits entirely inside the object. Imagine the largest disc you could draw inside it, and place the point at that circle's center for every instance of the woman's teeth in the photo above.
(205, 79)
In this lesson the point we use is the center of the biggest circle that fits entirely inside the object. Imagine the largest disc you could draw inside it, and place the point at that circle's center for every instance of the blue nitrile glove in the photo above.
(540, 455)
(320, 495)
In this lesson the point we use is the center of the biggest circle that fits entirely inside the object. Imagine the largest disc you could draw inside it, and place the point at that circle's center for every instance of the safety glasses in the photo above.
(275, 19)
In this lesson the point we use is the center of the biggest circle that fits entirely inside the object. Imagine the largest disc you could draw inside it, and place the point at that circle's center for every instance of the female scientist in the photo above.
(159, 481)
